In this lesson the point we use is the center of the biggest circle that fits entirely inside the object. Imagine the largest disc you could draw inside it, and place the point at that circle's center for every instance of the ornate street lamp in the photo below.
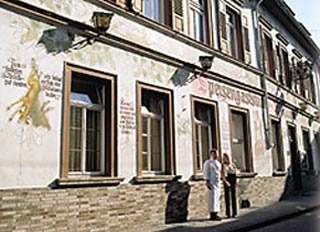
(101, 20)
(301, 71)
(206, 62)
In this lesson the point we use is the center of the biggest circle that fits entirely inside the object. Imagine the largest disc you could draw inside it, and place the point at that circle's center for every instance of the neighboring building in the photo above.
(109, 130)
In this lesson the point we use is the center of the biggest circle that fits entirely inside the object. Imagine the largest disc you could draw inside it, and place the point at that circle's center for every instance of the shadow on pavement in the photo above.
(253, 218)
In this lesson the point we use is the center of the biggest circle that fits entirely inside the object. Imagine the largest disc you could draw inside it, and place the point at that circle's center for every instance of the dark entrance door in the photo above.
(295, 158)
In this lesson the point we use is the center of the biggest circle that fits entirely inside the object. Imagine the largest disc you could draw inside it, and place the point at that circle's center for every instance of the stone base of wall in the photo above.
(125, 207)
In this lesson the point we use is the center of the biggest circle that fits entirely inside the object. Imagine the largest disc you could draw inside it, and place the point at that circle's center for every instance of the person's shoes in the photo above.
(234, 215)
(228, 216)
(217, 218)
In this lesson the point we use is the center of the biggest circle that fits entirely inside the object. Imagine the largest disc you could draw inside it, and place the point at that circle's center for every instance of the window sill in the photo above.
(279, 173)
(155, 179)
(88, 181)
(246, 175)
(197, 177)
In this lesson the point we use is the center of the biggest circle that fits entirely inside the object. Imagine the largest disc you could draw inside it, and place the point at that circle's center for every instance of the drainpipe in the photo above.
(317, 80)
(260, 61)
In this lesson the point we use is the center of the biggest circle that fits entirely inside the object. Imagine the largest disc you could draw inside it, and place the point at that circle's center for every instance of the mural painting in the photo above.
(29, 108)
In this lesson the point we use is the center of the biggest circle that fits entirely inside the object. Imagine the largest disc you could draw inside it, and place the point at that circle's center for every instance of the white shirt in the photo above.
(228, 168)
(212, 171)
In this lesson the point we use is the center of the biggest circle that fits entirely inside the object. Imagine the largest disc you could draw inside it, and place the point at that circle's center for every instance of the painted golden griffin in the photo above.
(30, 107)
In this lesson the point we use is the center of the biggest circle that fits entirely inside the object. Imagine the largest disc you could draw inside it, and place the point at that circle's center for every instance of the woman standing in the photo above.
(229, 177)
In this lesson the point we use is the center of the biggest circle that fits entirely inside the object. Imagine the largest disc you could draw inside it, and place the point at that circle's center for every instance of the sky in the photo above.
(308, 13)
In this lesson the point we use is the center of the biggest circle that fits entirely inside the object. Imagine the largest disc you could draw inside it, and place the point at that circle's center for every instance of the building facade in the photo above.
(107, 113)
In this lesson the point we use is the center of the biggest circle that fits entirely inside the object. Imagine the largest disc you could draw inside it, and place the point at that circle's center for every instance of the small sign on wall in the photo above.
(127, 116)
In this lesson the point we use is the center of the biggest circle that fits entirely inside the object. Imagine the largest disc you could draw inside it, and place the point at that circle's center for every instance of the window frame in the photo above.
(204, 9)
(160, 10)
(237, 29)
(214, 130)
(269, 55)
(284, 66)
(109, 169)
(164, 11)
(277, 136)
(248, 146)
(168, 127)
(307, 147)
(84, 108)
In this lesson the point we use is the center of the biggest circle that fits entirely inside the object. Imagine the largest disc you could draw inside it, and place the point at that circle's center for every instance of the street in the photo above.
(309, 222)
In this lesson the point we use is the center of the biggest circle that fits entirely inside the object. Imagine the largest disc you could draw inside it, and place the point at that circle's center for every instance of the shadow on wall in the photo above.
(177, 203)
(309, 181)
(303, 174)
(57, 40)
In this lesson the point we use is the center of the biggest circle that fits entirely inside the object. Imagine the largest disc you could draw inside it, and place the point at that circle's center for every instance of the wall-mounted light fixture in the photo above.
(206, 62)
(303, 105)
(301, 71)
(101, 21)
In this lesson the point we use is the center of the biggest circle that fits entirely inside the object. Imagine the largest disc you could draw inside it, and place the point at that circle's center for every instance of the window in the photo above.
(169, 13)
(268, 56)
(204, 131)
(306, 159)
(277, 155)
(240, 141)
(234, 38)
(199, 20)
(155, 137)
(284, 68)
(232, 32)
(154, 9)
(88, 130)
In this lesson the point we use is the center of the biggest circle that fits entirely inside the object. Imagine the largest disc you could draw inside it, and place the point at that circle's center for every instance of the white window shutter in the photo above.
(245, 40)
(137, 5)
(121, 3)
(223, 27)
(177, 14)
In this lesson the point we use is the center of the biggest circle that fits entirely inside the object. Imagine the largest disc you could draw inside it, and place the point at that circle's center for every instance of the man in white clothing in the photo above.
(212, 176)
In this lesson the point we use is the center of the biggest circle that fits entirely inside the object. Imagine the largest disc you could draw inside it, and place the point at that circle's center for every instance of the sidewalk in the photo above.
(252, 218)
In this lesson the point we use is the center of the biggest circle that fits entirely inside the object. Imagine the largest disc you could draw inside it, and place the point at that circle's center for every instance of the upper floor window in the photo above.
(155, 137)
(284, 68)
(88, 130)
(169, 13)
(198, 20)
(232, 24)
(234, 34)
(154, 9)
(268, 55)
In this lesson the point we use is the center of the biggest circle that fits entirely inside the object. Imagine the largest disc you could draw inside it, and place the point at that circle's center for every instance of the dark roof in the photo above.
(286, 16)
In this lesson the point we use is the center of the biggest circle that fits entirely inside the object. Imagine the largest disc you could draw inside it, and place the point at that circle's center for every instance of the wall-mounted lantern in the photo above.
(301, 71)
(206, 62)
(101, 21)
(303, 105)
